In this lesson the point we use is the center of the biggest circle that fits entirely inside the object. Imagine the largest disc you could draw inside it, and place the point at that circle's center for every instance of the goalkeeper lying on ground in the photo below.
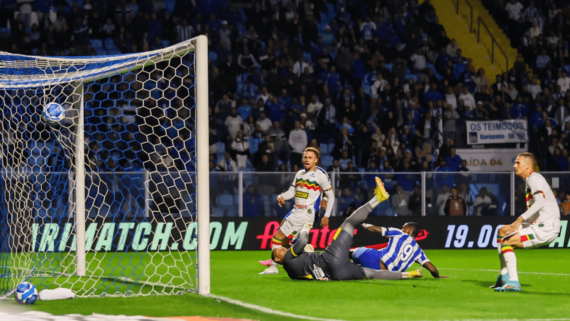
(334, 263)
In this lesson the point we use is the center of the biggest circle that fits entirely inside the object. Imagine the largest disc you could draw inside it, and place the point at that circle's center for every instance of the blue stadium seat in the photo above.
(330, 11)
(165, 43)
(253, 145)
(221, 147)
(324, 149)
(226, 200)
(327, 161)
(110, 44)
(5, 30)
(213, 56)
(96, 43)
(324, 19)
(101, 51)
(306, 56)
(114, 52)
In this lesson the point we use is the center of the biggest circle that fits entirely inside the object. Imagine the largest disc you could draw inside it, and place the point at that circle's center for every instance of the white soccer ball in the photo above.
(53, 113)
(26, 293)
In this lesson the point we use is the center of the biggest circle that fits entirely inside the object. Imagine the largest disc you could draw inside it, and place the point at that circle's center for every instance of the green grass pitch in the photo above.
(544, 276)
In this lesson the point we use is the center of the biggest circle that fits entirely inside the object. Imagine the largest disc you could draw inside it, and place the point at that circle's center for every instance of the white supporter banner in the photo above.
(497, 131)
(489, 160)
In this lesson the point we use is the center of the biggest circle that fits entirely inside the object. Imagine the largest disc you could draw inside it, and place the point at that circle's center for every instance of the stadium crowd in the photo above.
(376, 86)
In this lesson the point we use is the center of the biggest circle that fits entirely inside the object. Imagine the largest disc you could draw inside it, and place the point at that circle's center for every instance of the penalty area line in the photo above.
(267, 310)
(497, 271)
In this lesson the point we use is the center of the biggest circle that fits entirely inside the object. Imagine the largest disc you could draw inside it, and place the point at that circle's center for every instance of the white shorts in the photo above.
(534, 235)
(296, 219)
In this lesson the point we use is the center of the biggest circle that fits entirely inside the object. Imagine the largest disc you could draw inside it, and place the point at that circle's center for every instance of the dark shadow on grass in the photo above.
(485, 284)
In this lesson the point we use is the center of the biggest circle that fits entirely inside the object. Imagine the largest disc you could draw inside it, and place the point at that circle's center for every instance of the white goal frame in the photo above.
(202, 166)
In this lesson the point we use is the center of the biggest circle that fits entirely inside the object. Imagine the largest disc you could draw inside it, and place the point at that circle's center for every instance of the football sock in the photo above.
(276, 243)
(382, 274)
(358, 216)
(501, 257)
(510, 261)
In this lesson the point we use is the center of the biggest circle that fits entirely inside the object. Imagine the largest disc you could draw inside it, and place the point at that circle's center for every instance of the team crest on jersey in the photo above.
(309, 211)
(300, 194)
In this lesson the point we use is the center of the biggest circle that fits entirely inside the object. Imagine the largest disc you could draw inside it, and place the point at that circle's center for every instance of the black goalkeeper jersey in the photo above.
(301, 266)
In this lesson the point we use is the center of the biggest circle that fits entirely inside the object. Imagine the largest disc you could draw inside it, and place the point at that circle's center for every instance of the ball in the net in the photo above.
(53, 113)
(26, 293)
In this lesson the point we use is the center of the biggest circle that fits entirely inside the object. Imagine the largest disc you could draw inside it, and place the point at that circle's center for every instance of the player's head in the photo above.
(278, 254)
(411, 228)
(310, 158)
(524, 164)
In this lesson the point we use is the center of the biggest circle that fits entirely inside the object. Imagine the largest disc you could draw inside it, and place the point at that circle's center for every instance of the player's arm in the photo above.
(433, 270)
(426, 263)
(289, 194)
(538, 196)
(329, 197)
(385, 231)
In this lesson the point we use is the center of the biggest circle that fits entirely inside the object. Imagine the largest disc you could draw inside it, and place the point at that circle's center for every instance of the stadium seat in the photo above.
(96, 43)
(253, 145)
(213, 56)
(324, 149)
(226, 200)
(114, 52)
(324, 19)
(330, 11)
(165, 43)
(101, 51)
(221, 147)
(110, 44)
(327, 161)
(5, 30)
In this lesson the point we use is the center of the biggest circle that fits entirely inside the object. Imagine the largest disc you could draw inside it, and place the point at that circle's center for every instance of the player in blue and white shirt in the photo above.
(402, 251)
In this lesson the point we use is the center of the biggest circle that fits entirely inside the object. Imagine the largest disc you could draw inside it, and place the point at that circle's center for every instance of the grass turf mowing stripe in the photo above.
(267, 310)
(497, 271)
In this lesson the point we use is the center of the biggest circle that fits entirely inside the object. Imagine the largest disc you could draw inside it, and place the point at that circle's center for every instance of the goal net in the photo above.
(105, 200)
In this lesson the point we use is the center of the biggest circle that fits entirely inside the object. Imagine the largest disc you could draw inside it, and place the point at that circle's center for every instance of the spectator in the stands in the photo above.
(298, 143)
(481, 203)
(227, 164)
(455, 205)
(233, 123)
(240, 146)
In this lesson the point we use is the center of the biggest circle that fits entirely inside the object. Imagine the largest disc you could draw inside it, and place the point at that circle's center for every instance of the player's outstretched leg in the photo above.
(389, 275)
(361, 214)
(278, 239)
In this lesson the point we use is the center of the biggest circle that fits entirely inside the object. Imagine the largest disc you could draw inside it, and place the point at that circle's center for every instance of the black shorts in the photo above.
(335, 260)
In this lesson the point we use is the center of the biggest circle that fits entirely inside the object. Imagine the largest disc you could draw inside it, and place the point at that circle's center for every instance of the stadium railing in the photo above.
(246, 194)
(469, 16)
(493, 42)
(143, 194)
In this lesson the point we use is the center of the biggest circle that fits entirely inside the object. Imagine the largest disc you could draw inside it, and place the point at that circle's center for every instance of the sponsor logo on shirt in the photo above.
(302, 194)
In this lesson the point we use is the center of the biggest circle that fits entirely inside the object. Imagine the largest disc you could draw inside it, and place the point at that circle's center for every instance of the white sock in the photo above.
(511, 262)
(274, 246)
(373, 202)
(504, 269)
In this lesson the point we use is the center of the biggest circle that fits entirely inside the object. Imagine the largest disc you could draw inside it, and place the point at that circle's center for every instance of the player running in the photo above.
(307, 187)
(402, 250)
(333, 263)
(536, 227)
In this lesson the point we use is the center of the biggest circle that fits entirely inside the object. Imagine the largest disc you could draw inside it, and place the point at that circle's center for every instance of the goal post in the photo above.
(112, 200)
(203, 170)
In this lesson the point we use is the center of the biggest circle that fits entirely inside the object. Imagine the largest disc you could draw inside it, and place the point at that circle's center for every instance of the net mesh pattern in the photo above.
(138, 139)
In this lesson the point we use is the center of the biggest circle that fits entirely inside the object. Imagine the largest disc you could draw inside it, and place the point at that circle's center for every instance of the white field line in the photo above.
(296, 316)
(497, 271)
(267, 310)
